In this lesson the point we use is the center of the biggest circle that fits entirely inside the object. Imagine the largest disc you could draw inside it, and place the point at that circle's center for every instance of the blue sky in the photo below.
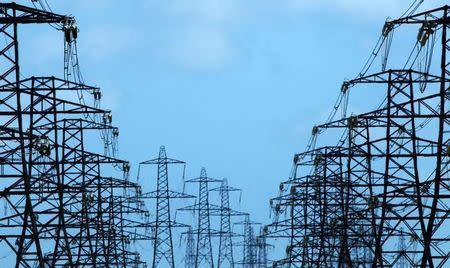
(231, 85)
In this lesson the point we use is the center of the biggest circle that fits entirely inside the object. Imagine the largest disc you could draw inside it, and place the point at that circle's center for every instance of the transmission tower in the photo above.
(163, 243)
(225, 256)
(385, 180)
(27, 239)
(204, 253)
(262, 247)
(401, 262)
(64, 208)
(249, 243)
(189, 259)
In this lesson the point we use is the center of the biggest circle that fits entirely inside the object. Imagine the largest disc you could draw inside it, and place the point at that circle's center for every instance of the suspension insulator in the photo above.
(334, 223)
(97, 94)
(352, 122)
(373, 202)
(318, 160)
(107, 118)
(387, 28)
(345, 86)
(305, 239)
(88, 198)
(70, 30)
(414, 238)
(425, 32)
(139, 191)
(265, 230)
(74, 32)
(278, 209)
(43, 146)
(126, 167)
(293, 190)
(67, 35)
(425, 189)
(288, 250)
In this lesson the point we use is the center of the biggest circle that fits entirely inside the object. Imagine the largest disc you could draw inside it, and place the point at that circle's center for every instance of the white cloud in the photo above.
(429, 4)
(103, 41)
(49, 44)
(112, 97)
(199, 32)
(362, 10)
(215, 11)
(368, 9)
(202, 47)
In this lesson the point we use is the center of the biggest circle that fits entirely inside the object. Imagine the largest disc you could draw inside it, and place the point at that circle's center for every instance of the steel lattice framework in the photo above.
(163, 243)
(263, 250)
(62, 206)
(250, 246)
(205, 212)
(225, 212)
(381, 196)
(204, 232)
(189, 258)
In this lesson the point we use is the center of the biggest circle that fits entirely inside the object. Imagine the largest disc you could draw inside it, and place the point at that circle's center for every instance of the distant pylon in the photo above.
(249, 244)
(262, 247)
(203, 255)
(189, 259)
(402, 263)
(163, 244)
(226, 257)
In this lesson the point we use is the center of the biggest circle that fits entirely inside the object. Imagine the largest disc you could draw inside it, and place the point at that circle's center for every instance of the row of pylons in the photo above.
(199, 236)
(375, 191)
(66, 205)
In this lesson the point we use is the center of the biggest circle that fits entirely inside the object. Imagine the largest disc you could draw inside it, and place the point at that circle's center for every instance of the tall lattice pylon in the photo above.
(262, 248)
(189, 259)
(249, 244)
(402, 262)
(225, 254)
(163, 225)
(388, 175)
(27, 241)
(204, 252)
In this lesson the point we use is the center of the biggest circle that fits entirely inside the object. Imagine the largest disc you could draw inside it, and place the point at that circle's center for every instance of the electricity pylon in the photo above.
(204, 233)
(225, 256)
(386, 174)
(163, 244)
(249, 243)
(189, 259)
